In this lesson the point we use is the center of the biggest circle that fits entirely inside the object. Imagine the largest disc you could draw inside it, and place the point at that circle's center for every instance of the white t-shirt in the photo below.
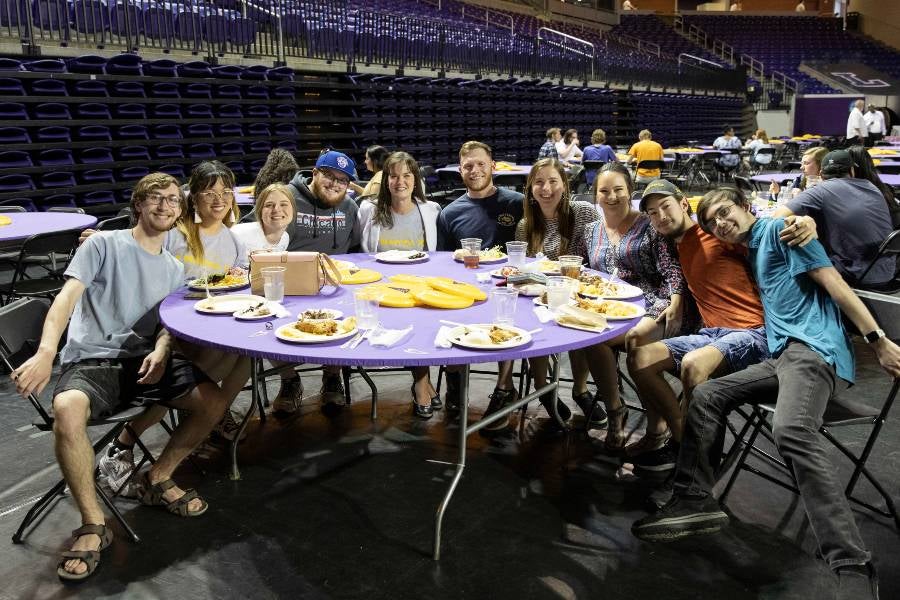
(875, 122)
(252, 237)
(567, 152)
(856, 124)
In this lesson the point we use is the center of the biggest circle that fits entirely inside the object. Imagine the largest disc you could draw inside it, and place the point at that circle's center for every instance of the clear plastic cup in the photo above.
(559, 291)
(273, 283)
(570, 266)
(365, 303)
(515, 252)
(504, 301)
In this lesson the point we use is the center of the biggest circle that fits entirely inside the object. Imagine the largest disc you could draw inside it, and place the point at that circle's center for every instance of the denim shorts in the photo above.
(740, 347)
(111, 384)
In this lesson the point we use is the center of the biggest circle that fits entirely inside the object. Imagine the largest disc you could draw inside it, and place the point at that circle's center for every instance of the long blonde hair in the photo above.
(535, 223)
(203, 177)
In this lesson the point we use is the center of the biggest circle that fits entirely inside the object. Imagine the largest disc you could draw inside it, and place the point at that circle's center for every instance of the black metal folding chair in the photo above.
(21, 323)
(55, 246)
(889, 247)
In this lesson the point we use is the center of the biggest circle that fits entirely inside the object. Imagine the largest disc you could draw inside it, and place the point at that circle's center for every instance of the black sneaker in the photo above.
(857, 581)
(661, 495)
(452, 396)
(499, 399)
(657, 461)
(598, 417)
(681, 517)
(332, 393)
(564, 413)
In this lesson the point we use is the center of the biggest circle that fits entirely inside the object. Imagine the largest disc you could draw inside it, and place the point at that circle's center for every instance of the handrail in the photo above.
(698, 35)
(678, 24)
(593, 52)
(698, 59)
(488, 13)
(723, 50)
(757, 68)
(634, 42)
(789, 83)
(279, 34)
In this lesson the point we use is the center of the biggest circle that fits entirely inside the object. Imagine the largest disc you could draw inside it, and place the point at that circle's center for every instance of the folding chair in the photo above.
(841, 412)
(43, 247)
(21, 323)
(889, 247)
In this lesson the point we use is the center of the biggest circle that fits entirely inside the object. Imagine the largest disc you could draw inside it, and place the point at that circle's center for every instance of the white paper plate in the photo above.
(483, 261)
(219, 288)
(455, 336)
(638, 312)
(582, 327)
(308, 338)
(497, 272)
(252, 317)
(333, 313)
(623, 292)
(401, 257)
(227, 304)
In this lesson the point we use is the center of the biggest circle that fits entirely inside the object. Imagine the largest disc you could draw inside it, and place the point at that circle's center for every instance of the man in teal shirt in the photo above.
(812, 359)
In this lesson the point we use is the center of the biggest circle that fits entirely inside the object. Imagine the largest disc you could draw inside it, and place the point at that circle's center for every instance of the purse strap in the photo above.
(335, 280)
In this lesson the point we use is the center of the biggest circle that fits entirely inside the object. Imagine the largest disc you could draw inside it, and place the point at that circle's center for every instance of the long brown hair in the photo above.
(535, 223)
(383, 214)
(203, 177)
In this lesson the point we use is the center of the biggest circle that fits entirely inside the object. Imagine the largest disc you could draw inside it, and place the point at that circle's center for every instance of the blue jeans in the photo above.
(800, 383)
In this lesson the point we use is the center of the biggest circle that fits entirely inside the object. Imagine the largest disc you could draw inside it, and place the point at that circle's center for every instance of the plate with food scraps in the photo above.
(594, 286)
(317, 332)
(504, 272)
(227, 304)
(255, 312)
(220, 282)
(613, 310)
(320, 314)
(486, 257)
(488, 337)
(401, 257)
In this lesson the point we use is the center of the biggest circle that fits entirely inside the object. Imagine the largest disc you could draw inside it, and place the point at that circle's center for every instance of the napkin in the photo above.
(442, 338)
(544, 314)
(572, 315)
(388, 337)
(278, 310)
(483, 277)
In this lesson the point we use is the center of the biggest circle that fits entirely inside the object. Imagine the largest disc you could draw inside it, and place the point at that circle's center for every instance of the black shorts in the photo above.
(111, 384)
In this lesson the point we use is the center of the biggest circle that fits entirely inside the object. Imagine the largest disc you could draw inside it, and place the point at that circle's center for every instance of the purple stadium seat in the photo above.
(15, 158)
(11, 64)
(97, 198)
(125, 64)
(197, 68)
(57, 179)
(92, 110)
(226, 149)
(168, 151)
(202, 151)
(130, 111)
(164, 89)
(166, 111)
(125, 194)
(196, 90)
(133, 153)
(280, 74)
(228, 111)
(13, 111)
(199, 130)
(228, 71)
(11, 87)
(14, 135)
(88, 87)
(132, 173)
(257, 72)
(95, 155)
(87, 63)
(46, 65)
(166, 132)
(198, 111)
(259, 130)
(284, 92)
(96, 176)
(285, 130)
(284, 111)
(237, 167)
(93, 133)
(289, 145)
(57, 201)
(128, 89)
(260, 147)
(55, 156)
(230, 130)
(15, 183)
(256, 92)
(51, 110)
(257, 111)
(53, 134)
(162, 67)
(132, 132)
(176, 171)
(227, 91)
(48, 87)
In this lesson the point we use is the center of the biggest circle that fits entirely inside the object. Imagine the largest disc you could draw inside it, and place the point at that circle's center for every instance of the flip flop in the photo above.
(91, 558)
(151, 494)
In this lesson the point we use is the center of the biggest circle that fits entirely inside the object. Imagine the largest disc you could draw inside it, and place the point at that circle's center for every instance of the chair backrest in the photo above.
(889, 247)
(21, 323)
(41, 244)
(652, 164)
(743, 184)
(66, 209)
(886, 310)
(121, 222)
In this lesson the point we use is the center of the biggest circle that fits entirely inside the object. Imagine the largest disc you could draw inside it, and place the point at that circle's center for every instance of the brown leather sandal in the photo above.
(91, 558)
(615, 429)
(648, 443)
(151, 494)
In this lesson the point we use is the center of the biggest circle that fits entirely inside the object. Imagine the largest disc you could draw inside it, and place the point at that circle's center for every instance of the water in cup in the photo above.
(504, 300)
(559, 290)
(273, 283)
(365, 303)
(515, 252)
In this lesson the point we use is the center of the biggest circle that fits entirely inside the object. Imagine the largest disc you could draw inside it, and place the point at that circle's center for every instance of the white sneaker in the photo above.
(115, 469)
(289, 397)
(228, 427)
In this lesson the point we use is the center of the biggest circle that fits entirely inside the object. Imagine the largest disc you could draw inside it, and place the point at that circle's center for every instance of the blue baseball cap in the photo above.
(339, 162)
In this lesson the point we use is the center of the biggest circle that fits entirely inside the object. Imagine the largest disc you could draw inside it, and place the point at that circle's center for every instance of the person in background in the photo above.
(402, 219)
(736, 6)
(375, 156)
(623, 241)
(801, 7)
(548, 150)
(759, 140)
(628, 5)
(727, 142)
(864, 168)
(645, 149)
(810, 172)
(567, 149)
(598, 151)
(875, 125)
(280, 167)
(857, 130)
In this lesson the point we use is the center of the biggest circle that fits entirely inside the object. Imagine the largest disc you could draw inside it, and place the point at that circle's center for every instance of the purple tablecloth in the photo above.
(27, 224)
(244, 198)
(770, 177)
(226, 333)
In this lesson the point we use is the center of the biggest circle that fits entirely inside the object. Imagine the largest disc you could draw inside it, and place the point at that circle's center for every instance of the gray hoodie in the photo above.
(320, 228)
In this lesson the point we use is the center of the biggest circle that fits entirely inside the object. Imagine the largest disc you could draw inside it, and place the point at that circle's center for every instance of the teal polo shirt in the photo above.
(796, 307)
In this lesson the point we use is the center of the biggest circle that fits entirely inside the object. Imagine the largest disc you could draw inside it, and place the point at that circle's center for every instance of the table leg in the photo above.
(255, 367)
(461, 462)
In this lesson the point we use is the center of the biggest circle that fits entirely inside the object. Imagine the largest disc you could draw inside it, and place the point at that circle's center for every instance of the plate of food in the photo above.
(504, 272)
(320, 314)
(318, 331)
(234, 279)
(488, 337)
(595, 286)
(227, 304)
(254, 312)
(614, 310)
(401, 257)
(485, 257)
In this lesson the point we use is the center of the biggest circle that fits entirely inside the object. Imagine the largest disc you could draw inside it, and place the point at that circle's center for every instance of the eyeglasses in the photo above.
(155, 198)
(721, 214)
(334, 179)
(212, 195)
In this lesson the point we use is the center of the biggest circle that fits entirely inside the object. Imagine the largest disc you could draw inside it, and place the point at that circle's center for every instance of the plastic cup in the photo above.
(472, 247)
(559, 291)
(515, 252)
(570, 266)
(504, 300)
(365, 302)
(273, 283)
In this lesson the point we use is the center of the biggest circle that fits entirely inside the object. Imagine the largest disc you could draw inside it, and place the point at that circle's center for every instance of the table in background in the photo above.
(515, 170)
(27, 224)
(223, 332)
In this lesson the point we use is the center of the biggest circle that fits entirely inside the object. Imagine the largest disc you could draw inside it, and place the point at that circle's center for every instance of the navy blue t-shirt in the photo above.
(493, 219)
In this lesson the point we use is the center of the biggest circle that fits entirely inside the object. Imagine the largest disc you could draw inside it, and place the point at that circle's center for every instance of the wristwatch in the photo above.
(874, 336)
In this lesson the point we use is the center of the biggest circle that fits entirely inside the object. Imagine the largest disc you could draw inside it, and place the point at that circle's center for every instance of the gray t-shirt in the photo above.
(852, 219)
(118, 314)
(407, 233)
(220, 252)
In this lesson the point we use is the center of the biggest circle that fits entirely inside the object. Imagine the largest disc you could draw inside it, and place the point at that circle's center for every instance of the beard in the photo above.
(486, 183)
(322, 194)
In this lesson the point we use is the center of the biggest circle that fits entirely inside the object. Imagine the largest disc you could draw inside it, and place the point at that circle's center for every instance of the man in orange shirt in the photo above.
(646, 149)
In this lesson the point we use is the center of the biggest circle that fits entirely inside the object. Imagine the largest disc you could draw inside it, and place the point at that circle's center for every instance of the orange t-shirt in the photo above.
(718, 276)
(647, 150)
